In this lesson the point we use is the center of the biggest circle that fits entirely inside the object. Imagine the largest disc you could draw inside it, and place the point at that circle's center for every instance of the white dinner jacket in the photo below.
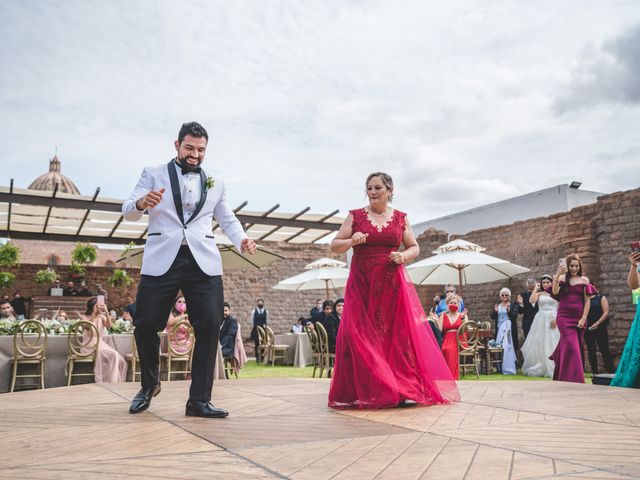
(167, 227)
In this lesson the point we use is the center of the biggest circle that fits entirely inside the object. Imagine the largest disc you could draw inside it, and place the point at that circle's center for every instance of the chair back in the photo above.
(180, 339)
(262, 336)
(323, 338)
(83, 339)
(29, 339)
(313, 339)
(271, 338)
(486, 325)
(467, 336)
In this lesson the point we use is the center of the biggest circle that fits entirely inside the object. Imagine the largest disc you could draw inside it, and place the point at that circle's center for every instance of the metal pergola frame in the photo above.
(54, 216)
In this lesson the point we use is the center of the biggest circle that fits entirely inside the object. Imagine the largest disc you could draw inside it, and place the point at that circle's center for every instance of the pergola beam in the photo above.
(87, 212)
(289, 220)
(326, 217)
(63, 237)
(46, 220)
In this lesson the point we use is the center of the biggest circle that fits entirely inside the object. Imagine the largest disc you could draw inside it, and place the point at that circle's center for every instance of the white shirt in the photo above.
(190, 189)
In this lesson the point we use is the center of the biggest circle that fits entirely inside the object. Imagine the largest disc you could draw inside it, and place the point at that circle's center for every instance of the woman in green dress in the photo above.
(628, 372)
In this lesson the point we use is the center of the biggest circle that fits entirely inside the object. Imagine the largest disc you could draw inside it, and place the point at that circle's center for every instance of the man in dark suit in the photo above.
(330, 324)
(525, 308)
(228, 332)
(181, 255)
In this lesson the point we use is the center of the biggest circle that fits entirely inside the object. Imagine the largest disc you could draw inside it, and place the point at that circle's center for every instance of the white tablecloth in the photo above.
(300, 353)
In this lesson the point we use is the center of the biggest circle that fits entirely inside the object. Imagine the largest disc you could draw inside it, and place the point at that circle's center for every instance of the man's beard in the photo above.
(186, 165)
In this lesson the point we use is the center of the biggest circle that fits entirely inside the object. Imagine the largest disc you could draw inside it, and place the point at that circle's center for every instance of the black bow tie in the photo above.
(184, 169)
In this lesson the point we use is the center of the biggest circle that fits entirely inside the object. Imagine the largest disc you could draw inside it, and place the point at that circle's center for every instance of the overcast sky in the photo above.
(462, 102)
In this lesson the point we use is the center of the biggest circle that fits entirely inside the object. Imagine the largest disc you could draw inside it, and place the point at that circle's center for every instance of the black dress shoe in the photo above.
(142, 400)
(204, 409)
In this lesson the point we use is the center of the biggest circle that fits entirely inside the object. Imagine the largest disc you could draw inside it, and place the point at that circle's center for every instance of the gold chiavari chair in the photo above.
(327, 358)
(133, 359)
(262, 355)
(180, 343)
(83, 341)
(315, 348)
(275, 351)
(467, 336)
(29, 346)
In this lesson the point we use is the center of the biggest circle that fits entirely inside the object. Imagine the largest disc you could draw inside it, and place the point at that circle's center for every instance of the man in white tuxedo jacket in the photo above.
(181, 254)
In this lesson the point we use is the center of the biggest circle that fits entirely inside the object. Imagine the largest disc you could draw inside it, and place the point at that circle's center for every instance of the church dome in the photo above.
(47, 181)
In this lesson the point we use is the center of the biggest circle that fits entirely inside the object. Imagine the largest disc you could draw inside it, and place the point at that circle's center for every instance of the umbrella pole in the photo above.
(326, 287)
(460, 280)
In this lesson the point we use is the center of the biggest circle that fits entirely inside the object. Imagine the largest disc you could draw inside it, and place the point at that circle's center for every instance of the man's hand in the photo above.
(150, 200)
(248, 246)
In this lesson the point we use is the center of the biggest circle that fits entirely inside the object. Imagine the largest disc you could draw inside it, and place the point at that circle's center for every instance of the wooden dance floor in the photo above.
(282, 428)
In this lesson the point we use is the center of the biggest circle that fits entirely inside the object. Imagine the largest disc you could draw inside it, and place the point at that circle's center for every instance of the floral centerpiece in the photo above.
(8, 327)
(56, 327)
(121, 326)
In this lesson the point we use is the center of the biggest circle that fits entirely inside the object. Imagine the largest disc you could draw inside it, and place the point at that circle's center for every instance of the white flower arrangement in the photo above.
(121, 326)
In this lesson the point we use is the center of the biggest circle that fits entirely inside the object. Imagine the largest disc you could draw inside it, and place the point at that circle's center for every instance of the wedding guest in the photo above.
(228, 332)
(69, 290)
(56, 284)
(448, 291)
(6, 311)
(179, 341)
(19, 306)
(259, 318)
(337, 309)
(526, 308)
(315, 312)
(61, 315)
(299, 327)
(596, 336)
(448, 322)
(129, 311)
(504, 313)
(110, 366)
(572, 290)
(83, 291)
(543, 335)
(628, 372)
(330, 324)
(384, 354)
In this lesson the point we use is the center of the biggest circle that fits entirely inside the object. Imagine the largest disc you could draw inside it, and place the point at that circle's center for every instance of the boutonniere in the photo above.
(210, 183)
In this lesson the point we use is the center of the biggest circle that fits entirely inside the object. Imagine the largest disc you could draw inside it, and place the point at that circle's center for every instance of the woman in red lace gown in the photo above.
(385, 351)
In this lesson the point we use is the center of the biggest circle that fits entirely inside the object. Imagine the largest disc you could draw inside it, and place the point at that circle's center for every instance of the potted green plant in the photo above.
(84, 254)
(9, 254)
(120, 279)
(76, 271)
(46, 276)
(6, 279)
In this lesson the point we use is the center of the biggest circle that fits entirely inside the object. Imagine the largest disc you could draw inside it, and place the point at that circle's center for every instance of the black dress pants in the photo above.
(204, 297)
(600, 338)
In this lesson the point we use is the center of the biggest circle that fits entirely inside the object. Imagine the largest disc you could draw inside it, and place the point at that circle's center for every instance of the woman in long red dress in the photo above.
(385, 352)
(449, 322)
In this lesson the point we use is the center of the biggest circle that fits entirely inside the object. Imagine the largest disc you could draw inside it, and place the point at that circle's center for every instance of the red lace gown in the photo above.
(385, 350)
(450, 344)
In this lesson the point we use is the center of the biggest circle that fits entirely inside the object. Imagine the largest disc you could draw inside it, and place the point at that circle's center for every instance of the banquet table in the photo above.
(56, 357)
(300, 353)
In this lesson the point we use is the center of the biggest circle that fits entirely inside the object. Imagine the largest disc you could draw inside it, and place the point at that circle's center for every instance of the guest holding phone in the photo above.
(628, 372)
(573, 292)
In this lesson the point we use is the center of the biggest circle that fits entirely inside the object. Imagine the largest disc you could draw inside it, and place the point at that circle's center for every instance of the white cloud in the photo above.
(304, 99)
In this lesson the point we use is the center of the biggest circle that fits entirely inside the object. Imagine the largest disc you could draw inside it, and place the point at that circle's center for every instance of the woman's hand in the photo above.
(553, 324)
(634, 258)
(582, 322)
(520, 300)
(358, 238)
(397, 257)
(594, 326)
(495, 307)
(561, 271)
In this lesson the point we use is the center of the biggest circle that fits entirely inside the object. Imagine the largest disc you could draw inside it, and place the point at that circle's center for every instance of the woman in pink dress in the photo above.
(110, 366)
(385, 352)
(180, 341)
(573, 293)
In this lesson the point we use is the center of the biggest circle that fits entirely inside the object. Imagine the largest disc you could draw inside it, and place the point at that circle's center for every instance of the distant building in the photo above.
(48, 181)
(542, 203)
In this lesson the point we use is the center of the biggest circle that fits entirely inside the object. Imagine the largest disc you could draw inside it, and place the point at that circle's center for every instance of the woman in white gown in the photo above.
(543, 336)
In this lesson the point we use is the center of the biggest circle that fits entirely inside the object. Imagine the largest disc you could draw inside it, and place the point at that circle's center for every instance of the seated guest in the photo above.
(19, 306)
(330, 324)
(6, 311)
(110, 366)
(180, 342)
(60, 315)
(448, 291)
(69, 290)
(337, 310)
(83, 291)
(504, 314)
(228, 332)
(299, 327)
(316, 311)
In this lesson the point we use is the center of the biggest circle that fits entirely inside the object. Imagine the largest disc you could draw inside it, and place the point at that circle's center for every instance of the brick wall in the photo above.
(600, 233)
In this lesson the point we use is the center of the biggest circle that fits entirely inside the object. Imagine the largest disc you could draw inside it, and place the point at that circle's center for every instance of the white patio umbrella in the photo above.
(464, 267)
(231, 258)
(459, 244)
(316, 279)
(325, 262)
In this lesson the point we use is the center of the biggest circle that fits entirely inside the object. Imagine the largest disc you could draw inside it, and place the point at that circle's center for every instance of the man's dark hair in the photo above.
(327, 303)
(194, 129)
(261, 300)
(2, 302)
(226, 304)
